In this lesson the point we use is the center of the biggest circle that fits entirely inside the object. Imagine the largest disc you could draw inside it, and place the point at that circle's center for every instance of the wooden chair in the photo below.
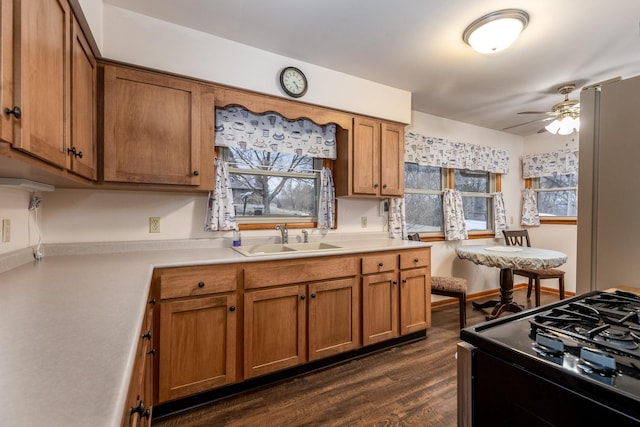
(521, 238)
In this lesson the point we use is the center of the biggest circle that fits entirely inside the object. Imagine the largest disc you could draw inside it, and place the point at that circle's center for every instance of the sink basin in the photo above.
(262, 249)
(279, 248)
(312, 246)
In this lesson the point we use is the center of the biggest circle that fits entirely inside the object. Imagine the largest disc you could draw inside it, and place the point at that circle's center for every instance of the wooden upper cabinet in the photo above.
(391, 159)
(151, 128)
(6, 69)
(371, 164)
(82, 151)
(42, 78)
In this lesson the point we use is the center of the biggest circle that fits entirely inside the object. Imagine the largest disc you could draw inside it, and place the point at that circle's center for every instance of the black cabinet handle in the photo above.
(404, 280)
(384, 185)
(71, 150)
(138, 409)
(152, 352)
(375, 185)
(395, 282)
(147, 336)
(313, 295)
(17, 113)
(416, 260)
(232, 308)
(201, 284)
(79, 154)
(146, 414)
(302, 297)
(152, 302)
(196, 173)
(380, 264)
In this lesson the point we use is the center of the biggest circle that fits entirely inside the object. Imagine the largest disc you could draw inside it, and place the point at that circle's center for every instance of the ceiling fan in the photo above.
(565, 114)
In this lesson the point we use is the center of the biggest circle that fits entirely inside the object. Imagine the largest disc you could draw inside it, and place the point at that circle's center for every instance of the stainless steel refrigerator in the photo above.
(609, 186)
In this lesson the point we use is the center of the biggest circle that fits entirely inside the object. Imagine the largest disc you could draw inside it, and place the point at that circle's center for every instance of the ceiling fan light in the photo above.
(495, 31)
(553, 127)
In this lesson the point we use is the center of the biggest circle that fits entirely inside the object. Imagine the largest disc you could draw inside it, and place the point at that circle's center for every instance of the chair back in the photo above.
(516, 237)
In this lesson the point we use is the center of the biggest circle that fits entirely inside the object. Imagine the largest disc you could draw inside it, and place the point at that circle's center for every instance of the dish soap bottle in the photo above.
(236, 238)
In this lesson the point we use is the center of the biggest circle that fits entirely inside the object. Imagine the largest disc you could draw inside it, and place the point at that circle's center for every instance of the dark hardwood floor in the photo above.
(410, 385)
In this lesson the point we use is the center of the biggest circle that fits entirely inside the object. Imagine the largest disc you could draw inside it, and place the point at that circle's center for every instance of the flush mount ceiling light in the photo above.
(495, 31)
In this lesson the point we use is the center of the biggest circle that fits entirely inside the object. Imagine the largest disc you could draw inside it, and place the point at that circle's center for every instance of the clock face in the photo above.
(293, 82)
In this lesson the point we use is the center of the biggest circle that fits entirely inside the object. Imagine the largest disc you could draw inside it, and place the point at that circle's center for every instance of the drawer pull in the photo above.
(147, 336)
(196, 173)
(152, 352)
(380, 264)
(138, 409)
(15, 111)
(232, 308)
(302, 297)
(416, 260)
(394, 282)
(404, 281)
(152, 302)
(201, 284)
(313, 295)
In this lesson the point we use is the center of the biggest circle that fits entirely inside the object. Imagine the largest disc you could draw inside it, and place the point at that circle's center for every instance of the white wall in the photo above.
(93, 12)
(141, 40)
(14, 205)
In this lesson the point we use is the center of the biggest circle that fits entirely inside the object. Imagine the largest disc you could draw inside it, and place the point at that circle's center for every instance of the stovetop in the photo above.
(592, 339)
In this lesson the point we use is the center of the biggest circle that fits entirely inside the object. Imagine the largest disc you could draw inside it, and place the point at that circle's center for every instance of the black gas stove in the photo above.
(570, 362)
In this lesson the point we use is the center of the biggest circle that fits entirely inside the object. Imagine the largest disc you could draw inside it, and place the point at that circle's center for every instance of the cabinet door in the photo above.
(392, 160)
(415, 300)
(42, 70)
(333, 317)
(197, 345)
(6, 69)
(274, 329)
(366, 156)
(379, 307)
(82, 153)
(151, 128)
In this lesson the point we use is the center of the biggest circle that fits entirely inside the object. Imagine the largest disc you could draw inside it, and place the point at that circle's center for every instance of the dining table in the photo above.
(508, 258)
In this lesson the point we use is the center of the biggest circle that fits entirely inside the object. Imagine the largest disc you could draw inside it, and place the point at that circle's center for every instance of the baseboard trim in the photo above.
(493, 292)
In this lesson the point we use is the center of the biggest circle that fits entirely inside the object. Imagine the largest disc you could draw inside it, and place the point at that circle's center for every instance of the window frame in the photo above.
(270, 222)
(534, 183)
(448, 182)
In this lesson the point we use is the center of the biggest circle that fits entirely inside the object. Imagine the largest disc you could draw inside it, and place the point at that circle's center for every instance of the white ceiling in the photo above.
(416, 45)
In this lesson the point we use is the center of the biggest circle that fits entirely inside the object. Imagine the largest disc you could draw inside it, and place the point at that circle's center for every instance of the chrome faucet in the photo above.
(284, 232)
(305, 233)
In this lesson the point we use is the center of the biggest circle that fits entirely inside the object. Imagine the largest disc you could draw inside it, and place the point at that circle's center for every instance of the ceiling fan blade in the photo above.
(536, 112)
(529, 122)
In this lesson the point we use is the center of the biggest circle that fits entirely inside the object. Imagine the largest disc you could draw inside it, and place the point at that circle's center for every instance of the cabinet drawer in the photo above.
(415, 258)
(260, 275)
(202, 280)
(379, 262)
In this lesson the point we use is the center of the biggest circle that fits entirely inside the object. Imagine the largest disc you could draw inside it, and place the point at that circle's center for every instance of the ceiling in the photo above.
(416, 45)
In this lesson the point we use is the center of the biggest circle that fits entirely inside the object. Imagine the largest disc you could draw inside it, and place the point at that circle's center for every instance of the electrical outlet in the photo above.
(363, 222)
(154, 224)
(6, 230)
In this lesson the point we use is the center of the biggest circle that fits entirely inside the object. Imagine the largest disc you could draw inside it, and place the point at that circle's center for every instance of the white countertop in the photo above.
(69, 327)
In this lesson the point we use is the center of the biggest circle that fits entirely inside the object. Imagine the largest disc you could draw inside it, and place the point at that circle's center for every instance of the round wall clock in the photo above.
(293, 82)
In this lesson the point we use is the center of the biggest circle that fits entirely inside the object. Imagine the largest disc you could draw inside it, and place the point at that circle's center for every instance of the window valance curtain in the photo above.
(440, 152)
(557, 162)
(237, 127)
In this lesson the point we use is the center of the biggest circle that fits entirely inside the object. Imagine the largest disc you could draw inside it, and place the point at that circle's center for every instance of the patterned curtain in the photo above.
(440, 152)
(454, 226)
(499, 214)
(529, 208)
(220, 211)
(237, 127)
(560, 162)
(327, 206)
(397, 218)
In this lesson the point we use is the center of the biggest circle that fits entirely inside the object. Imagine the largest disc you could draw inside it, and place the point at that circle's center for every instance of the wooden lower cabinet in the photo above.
(396, 294)
(138, 407)
(379, 307)
(334, 317)
(415, 300)
(274, 329)
(197, 345)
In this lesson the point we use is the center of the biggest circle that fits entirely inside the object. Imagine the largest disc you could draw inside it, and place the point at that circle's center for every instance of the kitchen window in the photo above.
(557, 196)
(270, 187)
(424, 189)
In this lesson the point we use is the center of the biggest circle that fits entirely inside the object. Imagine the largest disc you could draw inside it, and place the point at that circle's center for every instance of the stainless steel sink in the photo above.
(287, 248)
